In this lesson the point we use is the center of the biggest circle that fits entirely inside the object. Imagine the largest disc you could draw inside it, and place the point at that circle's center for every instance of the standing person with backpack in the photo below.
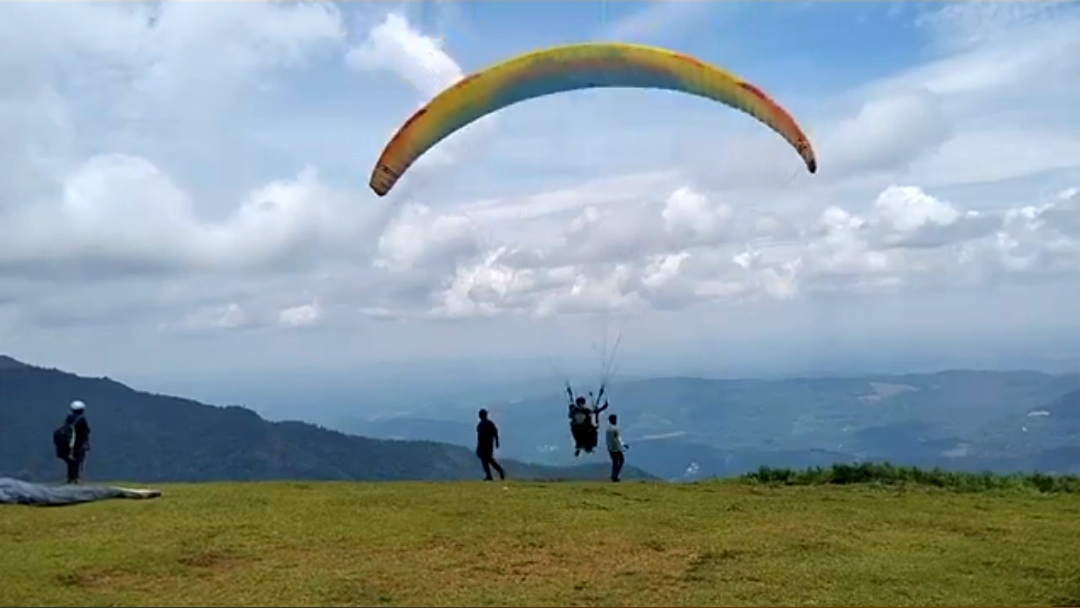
(72, 441)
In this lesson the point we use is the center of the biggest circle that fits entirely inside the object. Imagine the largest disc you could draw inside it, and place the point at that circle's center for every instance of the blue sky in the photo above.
(183, 186)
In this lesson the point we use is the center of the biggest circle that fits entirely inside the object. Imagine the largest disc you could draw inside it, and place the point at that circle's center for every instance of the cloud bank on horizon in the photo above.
(183, 185)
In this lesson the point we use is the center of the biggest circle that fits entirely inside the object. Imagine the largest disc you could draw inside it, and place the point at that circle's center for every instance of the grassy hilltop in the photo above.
(814, 540)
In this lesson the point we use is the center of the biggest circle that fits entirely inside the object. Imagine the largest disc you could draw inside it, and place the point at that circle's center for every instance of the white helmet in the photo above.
(77, 406)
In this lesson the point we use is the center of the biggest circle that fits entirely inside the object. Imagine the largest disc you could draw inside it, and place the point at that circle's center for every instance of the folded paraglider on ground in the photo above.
(17, 492)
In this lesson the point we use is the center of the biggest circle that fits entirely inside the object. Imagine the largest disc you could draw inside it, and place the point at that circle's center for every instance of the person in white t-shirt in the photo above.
(615, 446)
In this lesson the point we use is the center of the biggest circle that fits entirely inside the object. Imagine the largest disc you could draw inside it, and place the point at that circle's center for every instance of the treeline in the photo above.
(886, 474)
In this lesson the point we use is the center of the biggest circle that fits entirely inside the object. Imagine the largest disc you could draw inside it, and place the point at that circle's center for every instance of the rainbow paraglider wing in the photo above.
(569, 68)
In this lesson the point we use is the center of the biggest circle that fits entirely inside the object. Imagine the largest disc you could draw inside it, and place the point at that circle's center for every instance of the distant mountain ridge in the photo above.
(156, 438)
(680, 429)
(7, 362)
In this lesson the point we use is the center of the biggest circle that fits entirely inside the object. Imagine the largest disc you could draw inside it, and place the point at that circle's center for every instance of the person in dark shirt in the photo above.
(582, 425)
(79, 443)
(487, 440)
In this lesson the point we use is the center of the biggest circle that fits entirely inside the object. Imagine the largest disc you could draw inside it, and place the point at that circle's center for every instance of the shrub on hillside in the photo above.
(889, 475)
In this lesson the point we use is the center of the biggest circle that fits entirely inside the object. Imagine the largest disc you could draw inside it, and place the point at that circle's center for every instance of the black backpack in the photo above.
(62, 438)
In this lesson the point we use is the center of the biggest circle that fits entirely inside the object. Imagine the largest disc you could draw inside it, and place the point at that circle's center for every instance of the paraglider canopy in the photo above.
(568, 68)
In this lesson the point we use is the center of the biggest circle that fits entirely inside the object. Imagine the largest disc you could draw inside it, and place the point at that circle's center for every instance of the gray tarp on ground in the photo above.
(15, 492)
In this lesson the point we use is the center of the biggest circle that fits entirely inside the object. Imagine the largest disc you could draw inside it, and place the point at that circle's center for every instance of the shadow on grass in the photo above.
(885, 474)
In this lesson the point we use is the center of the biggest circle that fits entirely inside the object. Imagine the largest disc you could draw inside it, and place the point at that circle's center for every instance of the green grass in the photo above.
(748, 542)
